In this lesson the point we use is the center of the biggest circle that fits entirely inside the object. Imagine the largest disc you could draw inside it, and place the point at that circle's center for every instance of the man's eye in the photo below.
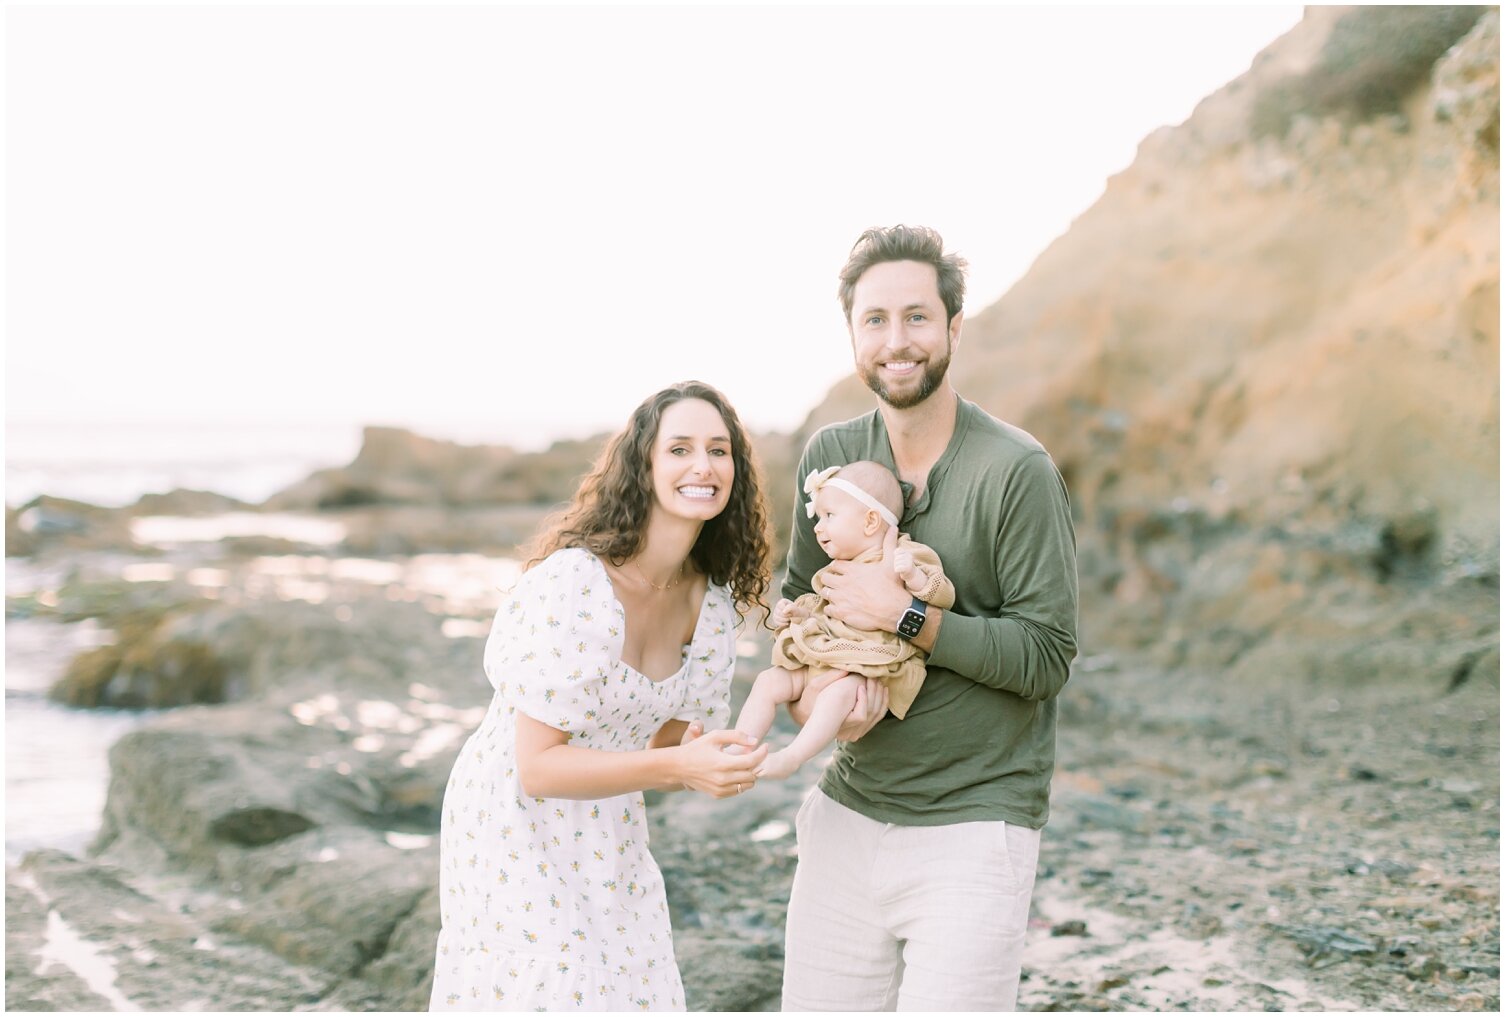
(916, 317)
(875, 320)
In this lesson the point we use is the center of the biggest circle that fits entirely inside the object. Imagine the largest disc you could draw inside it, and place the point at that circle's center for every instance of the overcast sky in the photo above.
(511, 224)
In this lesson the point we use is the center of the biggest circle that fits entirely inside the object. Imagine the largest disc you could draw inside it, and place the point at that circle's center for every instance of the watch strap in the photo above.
(912, 620)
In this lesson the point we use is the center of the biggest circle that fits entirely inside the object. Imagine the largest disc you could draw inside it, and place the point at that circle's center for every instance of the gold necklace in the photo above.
(661, 589)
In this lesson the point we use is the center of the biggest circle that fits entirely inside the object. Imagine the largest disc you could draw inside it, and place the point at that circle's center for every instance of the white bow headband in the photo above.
(827, 478)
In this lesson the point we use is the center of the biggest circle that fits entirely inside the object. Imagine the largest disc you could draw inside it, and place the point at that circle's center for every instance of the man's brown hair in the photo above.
(905, 243)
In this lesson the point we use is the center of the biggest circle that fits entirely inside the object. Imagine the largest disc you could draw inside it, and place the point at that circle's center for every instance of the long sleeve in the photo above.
(1029, 647)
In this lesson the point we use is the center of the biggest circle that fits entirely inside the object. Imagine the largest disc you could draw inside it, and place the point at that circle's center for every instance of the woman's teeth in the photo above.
(698, 492)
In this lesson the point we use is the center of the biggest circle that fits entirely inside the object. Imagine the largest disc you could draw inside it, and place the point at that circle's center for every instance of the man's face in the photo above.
(901, 341)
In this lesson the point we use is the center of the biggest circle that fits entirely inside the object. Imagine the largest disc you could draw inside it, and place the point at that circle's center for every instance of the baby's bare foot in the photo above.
(779, 765)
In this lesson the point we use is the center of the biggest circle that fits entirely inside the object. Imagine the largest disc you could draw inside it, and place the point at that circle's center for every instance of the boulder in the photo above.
(186, 502)
(46, 523)
(338, 896)
(111, 947)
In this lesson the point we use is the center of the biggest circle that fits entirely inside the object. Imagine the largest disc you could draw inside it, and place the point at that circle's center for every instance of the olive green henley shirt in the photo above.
(979, 741)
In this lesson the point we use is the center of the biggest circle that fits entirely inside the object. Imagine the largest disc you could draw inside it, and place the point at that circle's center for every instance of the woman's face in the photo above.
(692, 463)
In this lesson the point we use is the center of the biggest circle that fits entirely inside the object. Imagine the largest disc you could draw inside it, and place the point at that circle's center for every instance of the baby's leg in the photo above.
(831, 708)
(772, 687)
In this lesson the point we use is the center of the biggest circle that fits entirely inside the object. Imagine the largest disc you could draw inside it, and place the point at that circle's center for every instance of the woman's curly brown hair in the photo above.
(609, 513)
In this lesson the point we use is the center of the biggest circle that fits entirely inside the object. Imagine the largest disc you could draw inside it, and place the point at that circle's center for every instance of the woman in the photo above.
(610, 657)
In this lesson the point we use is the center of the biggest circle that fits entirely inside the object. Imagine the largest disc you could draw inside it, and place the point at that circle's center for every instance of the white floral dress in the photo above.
(548, 903)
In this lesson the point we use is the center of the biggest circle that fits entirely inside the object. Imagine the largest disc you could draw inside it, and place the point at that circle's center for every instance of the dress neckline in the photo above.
(684, 652)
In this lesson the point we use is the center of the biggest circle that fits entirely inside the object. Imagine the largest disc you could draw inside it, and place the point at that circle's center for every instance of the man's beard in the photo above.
(930, 380)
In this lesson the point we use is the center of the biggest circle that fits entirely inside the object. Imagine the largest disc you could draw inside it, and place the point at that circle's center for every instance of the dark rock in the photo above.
(1423, 967)
(404, 975)
(187, 502)
(18, 542)
(339, 901)
(163, 956)
(188, 786)
(254, 827)
(1319, 942)
(148, 668)
(30, 982)
(397, 467)
(722, 975)
(46, 523)
(1073, 927)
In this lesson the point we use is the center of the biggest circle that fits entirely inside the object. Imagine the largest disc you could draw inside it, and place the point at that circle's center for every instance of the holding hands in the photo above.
(703, 766)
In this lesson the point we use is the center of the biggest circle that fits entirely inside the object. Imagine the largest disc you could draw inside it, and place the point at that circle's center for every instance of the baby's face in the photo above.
(840, 524)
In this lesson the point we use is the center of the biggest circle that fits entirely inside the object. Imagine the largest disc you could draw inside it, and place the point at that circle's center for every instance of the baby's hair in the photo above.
(878, 481)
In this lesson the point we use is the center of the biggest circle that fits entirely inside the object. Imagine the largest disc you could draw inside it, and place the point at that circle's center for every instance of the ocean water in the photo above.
(116, 463)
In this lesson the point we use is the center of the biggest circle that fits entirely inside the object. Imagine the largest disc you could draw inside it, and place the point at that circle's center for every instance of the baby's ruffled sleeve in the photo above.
(713, 658)
(554, 641)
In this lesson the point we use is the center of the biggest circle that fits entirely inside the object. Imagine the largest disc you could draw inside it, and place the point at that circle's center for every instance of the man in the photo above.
(917, 852)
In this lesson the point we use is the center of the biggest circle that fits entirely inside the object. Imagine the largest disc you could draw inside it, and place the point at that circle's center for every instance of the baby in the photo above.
(854, 508)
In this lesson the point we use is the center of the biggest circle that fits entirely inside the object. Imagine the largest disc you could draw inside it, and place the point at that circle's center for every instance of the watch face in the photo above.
(911, 623)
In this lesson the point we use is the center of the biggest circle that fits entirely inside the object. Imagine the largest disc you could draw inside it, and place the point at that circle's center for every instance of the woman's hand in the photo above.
(705, 767)
(871, 705)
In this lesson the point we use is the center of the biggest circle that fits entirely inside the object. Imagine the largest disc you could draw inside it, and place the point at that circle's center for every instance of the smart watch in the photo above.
(913, 619)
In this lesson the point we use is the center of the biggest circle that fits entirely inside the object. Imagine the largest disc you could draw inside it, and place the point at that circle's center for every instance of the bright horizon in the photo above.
(510, 225)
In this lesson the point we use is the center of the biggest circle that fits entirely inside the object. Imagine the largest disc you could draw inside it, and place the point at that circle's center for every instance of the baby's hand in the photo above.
(908, 572)
(903, 562)
(788, 612)
(783, 613)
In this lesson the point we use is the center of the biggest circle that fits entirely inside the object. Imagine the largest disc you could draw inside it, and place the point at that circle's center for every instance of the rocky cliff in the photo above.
(1267, 359)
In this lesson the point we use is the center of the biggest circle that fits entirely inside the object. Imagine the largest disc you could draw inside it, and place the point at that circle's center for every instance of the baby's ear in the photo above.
(872, 522)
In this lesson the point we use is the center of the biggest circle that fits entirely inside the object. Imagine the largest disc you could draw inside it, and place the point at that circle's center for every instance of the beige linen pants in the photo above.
(886, 917)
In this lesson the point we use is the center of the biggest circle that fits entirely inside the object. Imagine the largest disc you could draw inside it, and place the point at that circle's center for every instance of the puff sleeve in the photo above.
(554, 640)
(713, 658)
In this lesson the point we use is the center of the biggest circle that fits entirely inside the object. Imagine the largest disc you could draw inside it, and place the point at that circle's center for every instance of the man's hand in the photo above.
(867, 596)
(871, 705)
